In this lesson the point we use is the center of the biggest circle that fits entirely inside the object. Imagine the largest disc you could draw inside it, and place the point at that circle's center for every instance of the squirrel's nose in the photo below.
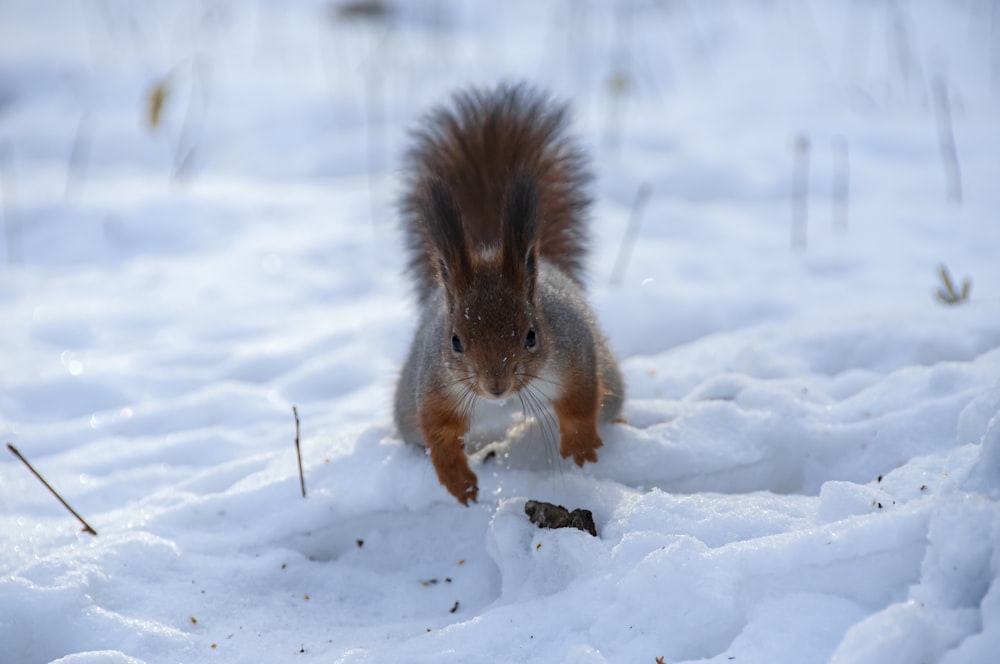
(494, 384)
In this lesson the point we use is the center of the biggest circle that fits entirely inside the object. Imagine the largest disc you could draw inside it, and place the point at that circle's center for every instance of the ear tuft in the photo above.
(444, 229)
(520, 230)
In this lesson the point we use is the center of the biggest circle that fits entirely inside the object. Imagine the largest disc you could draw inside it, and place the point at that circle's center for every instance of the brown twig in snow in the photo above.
(298, 451)
(86, 526)
(948, 295)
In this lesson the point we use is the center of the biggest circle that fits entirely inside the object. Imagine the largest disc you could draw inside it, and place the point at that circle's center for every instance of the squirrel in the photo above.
(493, 212)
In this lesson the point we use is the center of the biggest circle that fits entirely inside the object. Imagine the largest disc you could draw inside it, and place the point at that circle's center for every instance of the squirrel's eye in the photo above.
(456, 343)
(529, 341)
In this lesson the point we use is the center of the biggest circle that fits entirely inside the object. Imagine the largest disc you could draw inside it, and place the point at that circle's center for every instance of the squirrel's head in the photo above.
(493, 337)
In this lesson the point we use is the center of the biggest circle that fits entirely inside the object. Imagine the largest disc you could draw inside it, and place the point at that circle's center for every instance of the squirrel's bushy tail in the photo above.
(477, 146)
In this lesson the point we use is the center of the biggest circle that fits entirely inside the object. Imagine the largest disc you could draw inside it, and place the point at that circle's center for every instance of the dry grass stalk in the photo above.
(800, 193)
(298, 451)
(86, 526)
(947, 295)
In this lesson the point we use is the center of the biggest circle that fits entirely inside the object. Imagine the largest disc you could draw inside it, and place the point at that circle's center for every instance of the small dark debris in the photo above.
(302, 649)
(923, 487)
(547, 515)
(880, 505)
(360, 543)
(879, 478)
(429, 582)
(363, 9)
(492, 454)
(447, 579)
(454, 608)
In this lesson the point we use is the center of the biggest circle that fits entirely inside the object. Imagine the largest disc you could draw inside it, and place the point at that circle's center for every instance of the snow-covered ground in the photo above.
(810, 470)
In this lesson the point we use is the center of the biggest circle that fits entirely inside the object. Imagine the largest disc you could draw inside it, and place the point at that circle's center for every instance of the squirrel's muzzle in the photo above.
(495, 384)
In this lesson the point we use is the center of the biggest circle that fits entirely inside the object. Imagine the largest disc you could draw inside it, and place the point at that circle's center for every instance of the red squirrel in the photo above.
(493, 211)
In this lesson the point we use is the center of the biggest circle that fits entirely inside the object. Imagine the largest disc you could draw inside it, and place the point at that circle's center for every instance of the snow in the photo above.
(810, 468)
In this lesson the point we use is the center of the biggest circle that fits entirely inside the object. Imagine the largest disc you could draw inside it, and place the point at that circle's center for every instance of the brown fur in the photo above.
(494, 221)
(443, 429)
(472, 147)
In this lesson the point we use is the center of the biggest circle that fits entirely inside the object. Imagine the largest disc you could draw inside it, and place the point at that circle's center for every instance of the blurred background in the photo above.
(198, 230)
(221, 173)
(696, 100)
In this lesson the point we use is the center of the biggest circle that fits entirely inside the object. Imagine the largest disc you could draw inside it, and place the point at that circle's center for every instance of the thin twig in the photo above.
(840, 194)
(622, 77)
(7, 195)
(86, 526)
(375, 121)
(800, 193)
(189, 138)
(78, 154)
(946, 141)
(631, 234)
(298, 451)
(948, 294)
(995, 48)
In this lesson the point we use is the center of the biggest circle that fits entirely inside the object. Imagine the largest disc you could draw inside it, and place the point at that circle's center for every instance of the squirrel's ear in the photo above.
(520, 229)
(444, 228)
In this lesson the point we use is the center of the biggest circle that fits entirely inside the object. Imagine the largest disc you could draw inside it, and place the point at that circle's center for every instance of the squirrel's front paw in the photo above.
(456, 476)
(464, 488)
(470, 492)
(581, 446)
(577, 413)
